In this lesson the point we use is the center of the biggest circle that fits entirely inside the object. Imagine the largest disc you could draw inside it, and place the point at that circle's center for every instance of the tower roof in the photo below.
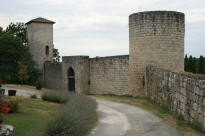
(40, 20)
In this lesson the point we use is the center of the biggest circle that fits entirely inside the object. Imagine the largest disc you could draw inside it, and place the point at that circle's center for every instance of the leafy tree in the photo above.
(56, 56)
(11, 50)
(18, 30)
(16, 64)
(22, 74)
(201, 65)
(1, 29)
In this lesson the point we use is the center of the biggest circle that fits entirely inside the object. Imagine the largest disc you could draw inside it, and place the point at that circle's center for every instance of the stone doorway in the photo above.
(71, 80)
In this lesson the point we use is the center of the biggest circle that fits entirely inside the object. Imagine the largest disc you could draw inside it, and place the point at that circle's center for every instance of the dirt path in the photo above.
(117, 119)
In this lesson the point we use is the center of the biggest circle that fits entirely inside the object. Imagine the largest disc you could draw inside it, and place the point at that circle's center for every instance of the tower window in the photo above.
(47, 50)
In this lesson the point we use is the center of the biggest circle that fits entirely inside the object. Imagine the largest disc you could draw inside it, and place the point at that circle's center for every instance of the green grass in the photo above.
(184, 127)
(32, 118)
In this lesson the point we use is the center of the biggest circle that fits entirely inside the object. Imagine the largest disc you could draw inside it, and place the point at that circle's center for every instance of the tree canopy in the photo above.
(16, 64)
(17, 30)
(56, 56)
(194, 65)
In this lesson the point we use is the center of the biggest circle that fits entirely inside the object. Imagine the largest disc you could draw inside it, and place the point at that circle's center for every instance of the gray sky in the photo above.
(100, 27)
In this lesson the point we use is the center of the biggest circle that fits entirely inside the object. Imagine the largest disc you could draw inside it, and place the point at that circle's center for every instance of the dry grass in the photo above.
(182, 126)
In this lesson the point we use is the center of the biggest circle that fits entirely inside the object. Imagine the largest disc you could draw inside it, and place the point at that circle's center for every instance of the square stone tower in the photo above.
(40, 40)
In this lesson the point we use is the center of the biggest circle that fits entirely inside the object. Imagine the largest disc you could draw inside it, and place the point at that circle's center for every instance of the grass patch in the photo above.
(185, 128)
(32, 117)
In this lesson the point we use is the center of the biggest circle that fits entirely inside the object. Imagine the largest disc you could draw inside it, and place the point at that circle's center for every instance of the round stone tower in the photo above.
(40, 40)
(156, 38)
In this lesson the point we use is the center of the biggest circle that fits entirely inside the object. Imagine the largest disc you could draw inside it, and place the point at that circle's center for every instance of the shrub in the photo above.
(197, 126)
(55, 96)
(33, 96)
(39, 84)
(13, 104)
(75, 118)
(2, 91)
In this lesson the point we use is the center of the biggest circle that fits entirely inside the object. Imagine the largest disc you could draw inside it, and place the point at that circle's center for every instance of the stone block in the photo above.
(6, 130)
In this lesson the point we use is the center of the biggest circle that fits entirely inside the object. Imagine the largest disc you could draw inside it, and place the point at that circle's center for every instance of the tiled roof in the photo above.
(41, 20)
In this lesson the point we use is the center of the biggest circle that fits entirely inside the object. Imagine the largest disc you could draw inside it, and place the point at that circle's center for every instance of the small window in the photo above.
(47, 50)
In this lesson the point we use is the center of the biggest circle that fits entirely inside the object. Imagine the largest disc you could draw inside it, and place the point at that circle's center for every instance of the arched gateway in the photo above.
(71, 80)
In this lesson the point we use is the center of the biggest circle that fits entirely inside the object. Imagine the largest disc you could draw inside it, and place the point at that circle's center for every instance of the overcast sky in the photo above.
(100, 27)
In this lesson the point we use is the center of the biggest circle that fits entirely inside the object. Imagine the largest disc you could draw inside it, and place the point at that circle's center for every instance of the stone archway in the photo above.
(71, 80)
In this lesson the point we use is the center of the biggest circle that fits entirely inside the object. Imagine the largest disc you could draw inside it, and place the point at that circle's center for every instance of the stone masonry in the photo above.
(40, 40)
(100, 75)
(109, 75)
(182, 92)
(156, 38)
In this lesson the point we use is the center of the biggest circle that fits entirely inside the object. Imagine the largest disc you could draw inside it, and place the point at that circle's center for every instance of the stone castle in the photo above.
(153, 68)
(155, 37)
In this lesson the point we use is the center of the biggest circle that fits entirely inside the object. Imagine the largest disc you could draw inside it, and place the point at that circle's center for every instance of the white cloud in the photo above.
(96, 26)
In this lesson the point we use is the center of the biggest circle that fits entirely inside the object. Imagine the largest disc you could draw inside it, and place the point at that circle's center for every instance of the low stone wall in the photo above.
(183, 92)
(109, 75)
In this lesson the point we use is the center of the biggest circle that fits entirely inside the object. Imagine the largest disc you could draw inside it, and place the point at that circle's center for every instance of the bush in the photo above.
(13, 104)
(2, 92)
(55, 96)
(33, 96)
(75, 118)
(39, 84)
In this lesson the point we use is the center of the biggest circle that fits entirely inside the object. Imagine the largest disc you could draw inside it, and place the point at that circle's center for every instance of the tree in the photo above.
(22, 74)
(201, 65)
(15, 59)
(194, 65)
(190, 63)
(1, 29)
(11, 50)
(186, 63)
(18, 30)
(56, 57)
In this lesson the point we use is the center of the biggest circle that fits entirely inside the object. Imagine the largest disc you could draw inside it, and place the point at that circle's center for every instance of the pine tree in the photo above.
(190, 64)
(186, 64)
(194, 65)
(201, 65)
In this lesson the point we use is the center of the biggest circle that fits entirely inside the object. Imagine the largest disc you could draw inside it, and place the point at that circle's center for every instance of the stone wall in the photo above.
(109, 75)
(53, 76)
(81, 67)
(156, 38)
(184, 93)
